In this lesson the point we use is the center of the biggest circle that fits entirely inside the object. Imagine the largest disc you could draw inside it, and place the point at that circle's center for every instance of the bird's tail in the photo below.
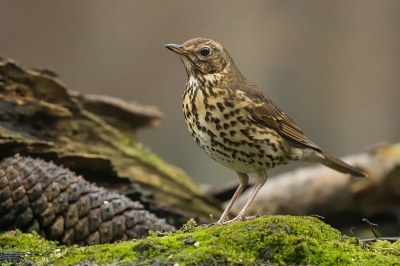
(339, 165)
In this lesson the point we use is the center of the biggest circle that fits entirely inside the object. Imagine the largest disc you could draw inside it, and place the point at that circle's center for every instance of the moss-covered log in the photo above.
(272, 240)
(93, 136)
(342, 199)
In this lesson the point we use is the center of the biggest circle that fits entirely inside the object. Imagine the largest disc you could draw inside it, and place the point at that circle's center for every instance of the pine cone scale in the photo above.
(59, 205)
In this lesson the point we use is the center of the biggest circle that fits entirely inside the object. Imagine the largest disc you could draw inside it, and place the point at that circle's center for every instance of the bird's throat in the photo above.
(202, 84)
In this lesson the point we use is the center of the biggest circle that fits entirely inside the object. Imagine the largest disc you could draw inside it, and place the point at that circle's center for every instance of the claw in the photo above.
(236, 219)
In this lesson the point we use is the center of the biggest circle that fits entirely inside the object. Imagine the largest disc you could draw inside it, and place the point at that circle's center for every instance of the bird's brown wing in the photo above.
(264, 111)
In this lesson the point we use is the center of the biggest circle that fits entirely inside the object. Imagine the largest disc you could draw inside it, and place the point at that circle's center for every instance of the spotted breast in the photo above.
(219, 123)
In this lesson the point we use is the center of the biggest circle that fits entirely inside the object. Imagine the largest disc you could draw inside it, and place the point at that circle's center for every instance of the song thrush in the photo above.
(236, 124)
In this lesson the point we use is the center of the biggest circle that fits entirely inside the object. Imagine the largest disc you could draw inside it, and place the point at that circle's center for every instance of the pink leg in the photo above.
(262, 178)
(243, 181)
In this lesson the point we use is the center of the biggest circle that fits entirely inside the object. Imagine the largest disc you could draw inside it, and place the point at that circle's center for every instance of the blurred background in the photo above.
(332, 66)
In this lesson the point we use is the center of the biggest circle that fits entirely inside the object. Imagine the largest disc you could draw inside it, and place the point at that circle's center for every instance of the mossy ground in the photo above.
(272, 240)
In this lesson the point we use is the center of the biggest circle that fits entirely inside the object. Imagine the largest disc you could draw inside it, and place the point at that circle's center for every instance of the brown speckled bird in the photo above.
(237, 125)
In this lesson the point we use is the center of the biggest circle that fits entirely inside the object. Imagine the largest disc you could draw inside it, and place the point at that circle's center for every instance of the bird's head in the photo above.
(203, 56)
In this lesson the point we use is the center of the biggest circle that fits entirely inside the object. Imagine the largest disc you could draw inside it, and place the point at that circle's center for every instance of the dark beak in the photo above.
(176, 48)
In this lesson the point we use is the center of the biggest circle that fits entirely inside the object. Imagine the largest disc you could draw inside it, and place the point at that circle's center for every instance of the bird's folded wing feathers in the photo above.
(265, 112)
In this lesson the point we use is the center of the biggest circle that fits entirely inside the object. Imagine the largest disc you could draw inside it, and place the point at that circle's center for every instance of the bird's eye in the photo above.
(205, 51)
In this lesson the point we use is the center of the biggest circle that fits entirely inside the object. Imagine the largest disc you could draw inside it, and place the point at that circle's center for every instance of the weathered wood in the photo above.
(341, 199)
(39, 117)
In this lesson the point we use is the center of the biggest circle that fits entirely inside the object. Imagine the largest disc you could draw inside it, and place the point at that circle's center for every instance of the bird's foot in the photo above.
(221, 221)
(225, 220)
(241, 218)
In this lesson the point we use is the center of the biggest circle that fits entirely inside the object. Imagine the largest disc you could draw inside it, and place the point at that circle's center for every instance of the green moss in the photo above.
(17, 241)
(278, 240)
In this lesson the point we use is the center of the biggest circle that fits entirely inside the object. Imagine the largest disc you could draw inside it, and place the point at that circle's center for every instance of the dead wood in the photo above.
(93, 136)
(343, 200)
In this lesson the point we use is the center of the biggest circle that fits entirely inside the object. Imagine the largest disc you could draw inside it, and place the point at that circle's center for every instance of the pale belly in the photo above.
(226, 135)
(239, 153)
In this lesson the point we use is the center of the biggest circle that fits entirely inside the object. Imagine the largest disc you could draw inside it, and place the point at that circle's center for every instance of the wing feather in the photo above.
(265, 112)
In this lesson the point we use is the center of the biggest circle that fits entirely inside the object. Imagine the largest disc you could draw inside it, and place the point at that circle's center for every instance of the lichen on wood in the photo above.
(40, 117)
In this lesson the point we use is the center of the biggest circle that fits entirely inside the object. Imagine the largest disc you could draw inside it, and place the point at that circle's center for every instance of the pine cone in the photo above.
(59, 205)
